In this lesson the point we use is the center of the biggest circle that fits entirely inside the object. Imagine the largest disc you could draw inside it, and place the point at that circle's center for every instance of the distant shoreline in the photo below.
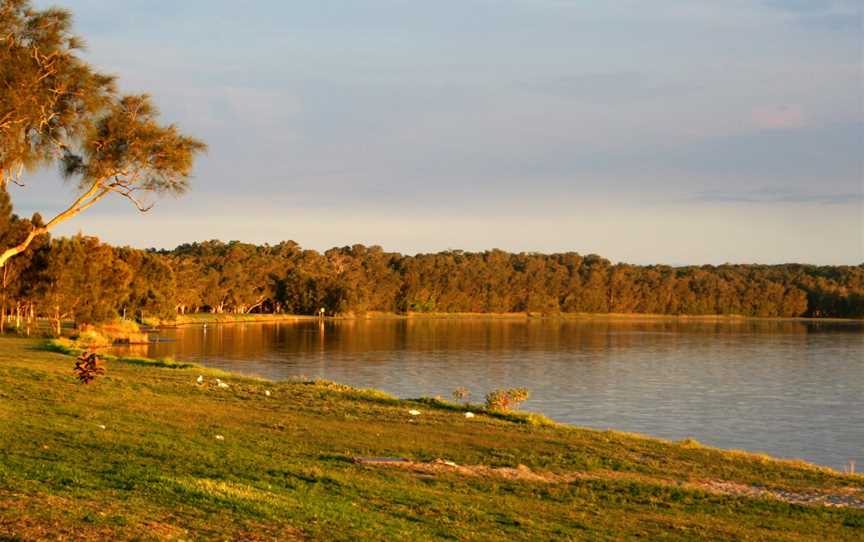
(210, 318)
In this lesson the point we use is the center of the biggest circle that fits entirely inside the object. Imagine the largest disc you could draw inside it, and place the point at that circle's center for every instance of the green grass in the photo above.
(283, 471)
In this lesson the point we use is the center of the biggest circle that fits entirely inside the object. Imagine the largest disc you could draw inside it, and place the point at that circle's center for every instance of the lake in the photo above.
(791, 389)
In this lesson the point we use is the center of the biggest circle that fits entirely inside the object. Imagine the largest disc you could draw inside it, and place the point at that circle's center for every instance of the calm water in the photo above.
(791, 389)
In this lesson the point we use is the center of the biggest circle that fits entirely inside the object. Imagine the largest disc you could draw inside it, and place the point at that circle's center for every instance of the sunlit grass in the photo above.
(138, 451)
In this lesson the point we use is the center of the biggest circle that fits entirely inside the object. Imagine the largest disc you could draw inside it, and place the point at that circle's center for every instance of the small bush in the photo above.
(505, 400)
(690, 442)
(88, 367)
(461, 394)
(89, 338)
(107, 334)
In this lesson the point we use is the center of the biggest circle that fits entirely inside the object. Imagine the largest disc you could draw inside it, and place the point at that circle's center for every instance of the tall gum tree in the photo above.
(56, 109)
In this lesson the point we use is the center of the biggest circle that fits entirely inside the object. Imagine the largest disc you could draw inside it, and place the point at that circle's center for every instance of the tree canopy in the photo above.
(57, 109)
(84, 280)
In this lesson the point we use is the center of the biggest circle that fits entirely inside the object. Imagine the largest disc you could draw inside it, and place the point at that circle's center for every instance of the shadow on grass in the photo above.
(528, 418)
(69, 348)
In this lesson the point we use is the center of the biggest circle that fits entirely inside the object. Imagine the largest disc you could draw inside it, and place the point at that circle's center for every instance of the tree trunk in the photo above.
(5, 295)
(260, 302)
(87, 199)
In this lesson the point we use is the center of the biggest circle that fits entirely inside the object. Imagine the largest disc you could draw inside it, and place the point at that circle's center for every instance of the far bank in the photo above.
(227, 318)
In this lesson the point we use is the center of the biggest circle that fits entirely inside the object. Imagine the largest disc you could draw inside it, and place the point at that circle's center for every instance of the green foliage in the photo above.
(91, 282)
(127, 150)
(13, 286)
(57, 109)
(152, 292)
(91, 338)
(49, 94)
(357, 280)
(55, 106)
(506, 400)
(81, 280)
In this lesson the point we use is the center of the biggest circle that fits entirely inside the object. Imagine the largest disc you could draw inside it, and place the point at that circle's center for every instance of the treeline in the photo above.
(237, 277)
(78, 278)
(84, 280)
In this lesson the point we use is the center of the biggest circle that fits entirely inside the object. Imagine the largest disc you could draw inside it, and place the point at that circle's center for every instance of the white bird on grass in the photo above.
(220, 437)
(469, 414)
(267, 393)
(414, 412)
(200, 379)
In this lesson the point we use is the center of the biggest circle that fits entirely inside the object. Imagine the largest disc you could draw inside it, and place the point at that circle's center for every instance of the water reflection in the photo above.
(789, 388)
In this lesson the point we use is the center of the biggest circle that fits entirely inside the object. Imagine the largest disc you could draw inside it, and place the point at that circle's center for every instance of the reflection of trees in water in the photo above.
(135, 350)
(257, 340)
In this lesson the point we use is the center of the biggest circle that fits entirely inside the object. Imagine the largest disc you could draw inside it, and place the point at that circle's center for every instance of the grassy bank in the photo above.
(210, 318)
(146, 452)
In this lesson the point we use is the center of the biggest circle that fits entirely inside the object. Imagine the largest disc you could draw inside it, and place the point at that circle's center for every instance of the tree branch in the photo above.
(96, 192)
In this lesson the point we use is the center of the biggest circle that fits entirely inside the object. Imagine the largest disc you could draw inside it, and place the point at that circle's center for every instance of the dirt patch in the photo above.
(840, 497)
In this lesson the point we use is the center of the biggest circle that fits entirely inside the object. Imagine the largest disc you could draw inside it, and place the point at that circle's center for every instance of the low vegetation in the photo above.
(462, 394)
(505, 400)
(152, 451)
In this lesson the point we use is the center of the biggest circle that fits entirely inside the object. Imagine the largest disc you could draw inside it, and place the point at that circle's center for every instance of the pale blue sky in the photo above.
(689, 131)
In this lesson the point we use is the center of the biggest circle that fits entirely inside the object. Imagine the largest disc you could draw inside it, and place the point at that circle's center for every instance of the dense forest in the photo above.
(84, 280)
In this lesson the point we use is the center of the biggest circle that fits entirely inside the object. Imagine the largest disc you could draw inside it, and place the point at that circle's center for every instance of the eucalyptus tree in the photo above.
(83, 280)
(57, 109)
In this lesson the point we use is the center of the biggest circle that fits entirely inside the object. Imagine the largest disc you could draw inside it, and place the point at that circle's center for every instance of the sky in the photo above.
(670, 131)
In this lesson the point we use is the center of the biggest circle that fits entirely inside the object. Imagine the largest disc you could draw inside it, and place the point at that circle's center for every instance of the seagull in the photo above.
(469, 414)
(267, 393)
(200, 379)
(223, 385)
(220, 437)
(414, 412)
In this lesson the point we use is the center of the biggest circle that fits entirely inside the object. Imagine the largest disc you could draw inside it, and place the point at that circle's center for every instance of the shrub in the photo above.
(505, 400)
(89, 338)
(88, 367)
(107, 334)
(461, 394)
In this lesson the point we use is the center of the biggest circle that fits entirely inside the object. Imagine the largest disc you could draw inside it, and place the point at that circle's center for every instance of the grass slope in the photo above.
(136, 456)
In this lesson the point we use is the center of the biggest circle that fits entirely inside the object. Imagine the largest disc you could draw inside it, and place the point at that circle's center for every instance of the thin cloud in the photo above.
(779, 116)
(773, 195)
